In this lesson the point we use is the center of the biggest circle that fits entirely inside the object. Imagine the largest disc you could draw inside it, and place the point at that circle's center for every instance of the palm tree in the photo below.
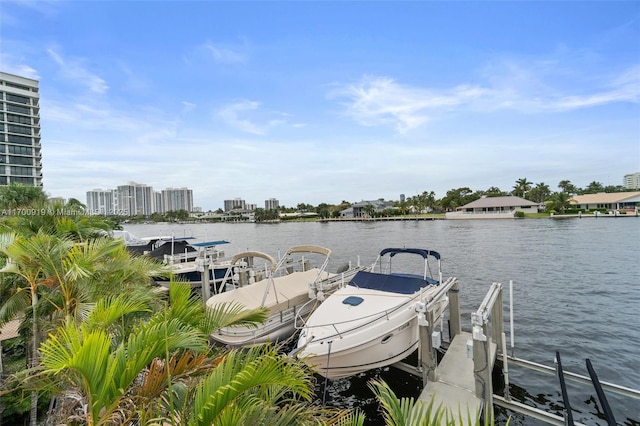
(539, 193)
(258, 386)
(594, 188)
(164, 369)
(521, 187)
(35, 262)
(57, 278)
(57, 219)
(568, 187)
(494, 191)
(559, 202)
(17, 195)
(369, 210)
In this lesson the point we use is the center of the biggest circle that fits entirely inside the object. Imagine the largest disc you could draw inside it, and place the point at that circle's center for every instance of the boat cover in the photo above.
(392, 283)
(286, 292)
(179, 246)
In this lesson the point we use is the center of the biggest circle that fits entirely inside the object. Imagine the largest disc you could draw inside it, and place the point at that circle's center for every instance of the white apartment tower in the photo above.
(135, 199)
(235, 204)
(632, 181)
(271, 204)
(20, 149)
(101, 202)
(174, 199)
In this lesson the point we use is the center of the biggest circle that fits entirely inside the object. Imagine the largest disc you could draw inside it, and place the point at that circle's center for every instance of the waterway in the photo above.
(576, 290)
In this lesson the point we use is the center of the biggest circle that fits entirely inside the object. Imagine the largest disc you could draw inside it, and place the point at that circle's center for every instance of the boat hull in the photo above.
(387, 348)
(383, 334)
(277, 328)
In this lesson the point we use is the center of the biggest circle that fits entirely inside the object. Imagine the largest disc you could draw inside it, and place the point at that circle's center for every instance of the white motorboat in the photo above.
(291, 289)
(371, 322)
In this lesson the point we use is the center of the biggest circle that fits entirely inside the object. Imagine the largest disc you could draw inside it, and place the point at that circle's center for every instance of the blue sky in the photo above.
(328, 101)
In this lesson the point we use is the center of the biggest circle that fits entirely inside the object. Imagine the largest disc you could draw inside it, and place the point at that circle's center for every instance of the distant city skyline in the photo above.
(326, 101)
(629, 181)
(134, 198)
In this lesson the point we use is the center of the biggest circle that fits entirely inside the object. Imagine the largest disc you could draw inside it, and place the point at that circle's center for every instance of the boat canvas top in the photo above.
(283, 293)
(310, 249)
(210, 243)
(422, 252)
(252, 254)
(388, 254)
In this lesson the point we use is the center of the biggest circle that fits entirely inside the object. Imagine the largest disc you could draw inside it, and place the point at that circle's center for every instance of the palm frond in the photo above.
(242, 372)
(232, 314)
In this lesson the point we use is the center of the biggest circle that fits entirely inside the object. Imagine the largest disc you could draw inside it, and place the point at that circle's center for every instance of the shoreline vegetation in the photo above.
(411, 217)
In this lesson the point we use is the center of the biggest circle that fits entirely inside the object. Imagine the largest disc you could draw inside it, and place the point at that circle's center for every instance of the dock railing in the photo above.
(487, 333)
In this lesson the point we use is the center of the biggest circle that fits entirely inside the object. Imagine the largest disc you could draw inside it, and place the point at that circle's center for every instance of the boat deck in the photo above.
(454, 388)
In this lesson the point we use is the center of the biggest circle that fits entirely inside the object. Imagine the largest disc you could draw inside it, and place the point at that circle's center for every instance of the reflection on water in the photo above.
(576, 290)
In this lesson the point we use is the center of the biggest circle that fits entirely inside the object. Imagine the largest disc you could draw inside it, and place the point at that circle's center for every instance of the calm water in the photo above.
(576, 290)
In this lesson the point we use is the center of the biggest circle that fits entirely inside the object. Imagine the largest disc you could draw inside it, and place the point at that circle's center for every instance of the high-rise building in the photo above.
(235, 204)
(135, 199)
(174, 199)
(632, 181)
(138, 199)
(101, 202)
(271, 204)
(20, 150)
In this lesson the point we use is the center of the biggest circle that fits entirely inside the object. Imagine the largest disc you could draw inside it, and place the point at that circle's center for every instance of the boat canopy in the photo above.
(247, 254)
(422, 252)
(210, 243)
(309, 249)
(175, 238)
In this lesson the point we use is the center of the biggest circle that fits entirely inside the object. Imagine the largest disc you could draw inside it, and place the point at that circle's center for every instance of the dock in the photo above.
(461, 384)
(455, 388)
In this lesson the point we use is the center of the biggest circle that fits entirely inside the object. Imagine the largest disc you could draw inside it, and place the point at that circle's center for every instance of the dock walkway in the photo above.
(454, 387)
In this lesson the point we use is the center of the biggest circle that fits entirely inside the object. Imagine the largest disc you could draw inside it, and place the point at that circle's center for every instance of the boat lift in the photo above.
(461, 380)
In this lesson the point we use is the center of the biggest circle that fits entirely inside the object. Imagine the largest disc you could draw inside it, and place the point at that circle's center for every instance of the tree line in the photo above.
(556, 201)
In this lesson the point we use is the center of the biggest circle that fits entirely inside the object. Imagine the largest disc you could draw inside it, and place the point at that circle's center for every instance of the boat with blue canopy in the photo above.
(372, 321)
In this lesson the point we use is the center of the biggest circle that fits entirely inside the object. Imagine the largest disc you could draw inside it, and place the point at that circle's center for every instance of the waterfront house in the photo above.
(612, 201)
(360, 209)
(494, 208)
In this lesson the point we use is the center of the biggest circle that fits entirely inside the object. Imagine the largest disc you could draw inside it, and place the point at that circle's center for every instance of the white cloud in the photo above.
(74, 70)
(249, 117)
(15, 65)
(623, 88)
(224, 55)
(381, 100)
